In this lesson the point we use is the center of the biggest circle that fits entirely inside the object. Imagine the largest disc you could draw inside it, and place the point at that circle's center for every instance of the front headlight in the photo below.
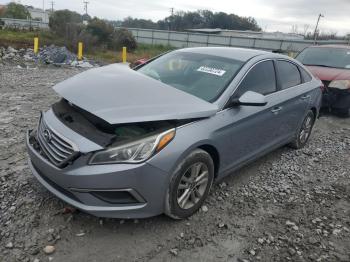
(340, 84)
(133, 152)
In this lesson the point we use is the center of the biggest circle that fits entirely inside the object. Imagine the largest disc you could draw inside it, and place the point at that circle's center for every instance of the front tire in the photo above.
(190, 185)
(304, 131)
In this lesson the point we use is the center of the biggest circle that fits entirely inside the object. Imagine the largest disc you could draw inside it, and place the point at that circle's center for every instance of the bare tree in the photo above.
(333, 34)
(306, 29)
(294, 29)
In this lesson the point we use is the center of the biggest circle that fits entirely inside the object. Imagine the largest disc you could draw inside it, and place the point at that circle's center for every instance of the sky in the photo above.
(271, 15)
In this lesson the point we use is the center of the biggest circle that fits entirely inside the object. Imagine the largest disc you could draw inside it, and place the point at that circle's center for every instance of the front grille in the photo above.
(56, 148)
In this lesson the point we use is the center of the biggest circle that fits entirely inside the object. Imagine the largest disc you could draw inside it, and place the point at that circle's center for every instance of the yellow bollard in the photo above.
(80, 50)
(124, 54)
(36, 45)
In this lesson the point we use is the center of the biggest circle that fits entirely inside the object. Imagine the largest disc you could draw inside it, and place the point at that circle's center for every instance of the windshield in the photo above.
(201, 75)
(323, 56)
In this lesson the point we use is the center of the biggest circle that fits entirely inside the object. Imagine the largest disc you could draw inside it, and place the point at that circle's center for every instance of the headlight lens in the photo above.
(340, 84)
(133, 152)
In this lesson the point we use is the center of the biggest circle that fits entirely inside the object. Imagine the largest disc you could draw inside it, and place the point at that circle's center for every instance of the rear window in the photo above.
(201, 75)
(288, 74)
(305, 75)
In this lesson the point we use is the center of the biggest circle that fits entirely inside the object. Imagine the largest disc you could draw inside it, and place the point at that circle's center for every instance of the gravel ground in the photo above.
(289, 205)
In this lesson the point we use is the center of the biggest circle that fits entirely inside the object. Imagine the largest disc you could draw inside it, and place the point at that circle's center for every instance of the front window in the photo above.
(201, 75)
(324, 56)
(261, 79)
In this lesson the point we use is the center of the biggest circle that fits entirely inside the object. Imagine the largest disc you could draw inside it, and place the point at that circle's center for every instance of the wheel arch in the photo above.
(315, 111)
(214, 154)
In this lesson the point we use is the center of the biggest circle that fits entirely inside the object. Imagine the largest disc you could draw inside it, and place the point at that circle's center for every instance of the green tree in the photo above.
(139, 23)
(101, 29)
(16, 11)
(61, 20)
(207, 19)
(108, 37)
(123, 37)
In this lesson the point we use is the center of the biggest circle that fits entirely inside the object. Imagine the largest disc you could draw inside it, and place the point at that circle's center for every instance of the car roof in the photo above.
(332, 46)
(241, 54)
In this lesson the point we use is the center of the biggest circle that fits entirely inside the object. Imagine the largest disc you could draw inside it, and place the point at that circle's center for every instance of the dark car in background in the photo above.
(331, 64)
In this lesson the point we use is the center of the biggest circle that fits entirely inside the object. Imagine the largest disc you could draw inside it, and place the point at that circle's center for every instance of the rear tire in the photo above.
(304, 131)
(190, 185)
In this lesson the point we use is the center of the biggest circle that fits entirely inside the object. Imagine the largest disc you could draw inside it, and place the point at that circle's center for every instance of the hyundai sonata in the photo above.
(132, 143)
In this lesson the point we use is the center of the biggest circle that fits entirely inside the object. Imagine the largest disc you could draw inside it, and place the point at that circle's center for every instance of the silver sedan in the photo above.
(140, 142)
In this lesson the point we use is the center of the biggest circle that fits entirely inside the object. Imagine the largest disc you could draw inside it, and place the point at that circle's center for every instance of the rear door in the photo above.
(293, 98)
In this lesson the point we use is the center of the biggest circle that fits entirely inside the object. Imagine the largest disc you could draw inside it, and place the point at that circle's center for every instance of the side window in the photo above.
(288, 74)
(261, 79)
(305, 75)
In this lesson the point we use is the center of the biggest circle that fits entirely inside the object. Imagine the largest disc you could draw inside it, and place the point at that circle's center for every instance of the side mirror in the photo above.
(249, 98)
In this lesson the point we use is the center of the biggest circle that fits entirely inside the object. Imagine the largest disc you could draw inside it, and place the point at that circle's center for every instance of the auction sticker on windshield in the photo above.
(210, 70)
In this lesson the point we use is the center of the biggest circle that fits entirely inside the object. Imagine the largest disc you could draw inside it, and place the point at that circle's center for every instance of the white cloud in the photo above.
(271, 14)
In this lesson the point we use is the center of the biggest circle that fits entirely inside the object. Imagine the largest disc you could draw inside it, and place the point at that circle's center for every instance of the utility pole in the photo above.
(171, 17)
(52, 4)
(44, 15)
(316, 28)
(86, 7)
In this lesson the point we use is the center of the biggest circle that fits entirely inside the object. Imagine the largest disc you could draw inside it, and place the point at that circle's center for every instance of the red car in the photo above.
(331, 64)
(140, 62)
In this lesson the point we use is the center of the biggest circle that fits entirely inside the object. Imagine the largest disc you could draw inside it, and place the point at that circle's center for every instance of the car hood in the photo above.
(118, 94)
(330, 74)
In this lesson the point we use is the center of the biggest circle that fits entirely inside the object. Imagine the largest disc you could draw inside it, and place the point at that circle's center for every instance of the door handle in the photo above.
(305, 97)
(275, 110)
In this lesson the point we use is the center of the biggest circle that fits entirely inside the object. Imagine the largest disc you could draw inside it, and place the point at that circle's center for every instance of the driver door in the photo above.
(250, 129)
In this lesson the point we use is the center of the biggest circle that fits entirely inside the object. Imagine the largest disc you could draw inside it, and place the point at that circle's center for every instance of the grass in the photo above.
(142, 51)
(24, 39)
(152, 50)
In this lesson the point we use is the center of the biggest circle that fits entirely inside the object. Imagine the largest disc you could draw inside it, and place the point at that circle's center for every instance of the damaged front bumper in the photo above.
(337, 99)
(113, 190)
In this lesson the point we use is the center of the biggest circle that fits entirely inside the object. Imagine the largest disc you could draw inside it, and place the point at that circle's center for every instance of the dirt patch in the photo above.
(289, 205)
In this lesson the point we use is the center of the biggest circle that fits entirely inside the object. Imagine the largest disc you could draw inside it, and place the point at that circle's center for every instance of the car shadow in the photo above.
(234, 180)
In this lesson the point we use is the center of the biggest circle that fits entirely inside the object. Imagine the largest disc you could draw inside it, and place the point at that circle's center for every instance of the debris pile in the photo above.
(52, 54)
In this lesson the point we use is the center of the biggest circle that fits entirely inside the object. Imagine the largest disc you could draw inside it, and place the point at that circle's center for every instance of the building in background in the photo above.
(2, 9)
(247, 33)
(39, 19)
(39, 14)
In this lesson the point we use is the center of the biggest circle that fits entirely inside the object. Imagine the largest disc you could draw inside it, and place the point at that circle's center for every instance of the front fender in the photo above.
(187, 139)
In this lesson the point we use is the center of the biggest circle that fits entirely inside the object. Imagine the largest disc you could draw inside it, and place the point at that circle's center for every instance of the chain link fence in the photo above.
(189, 39)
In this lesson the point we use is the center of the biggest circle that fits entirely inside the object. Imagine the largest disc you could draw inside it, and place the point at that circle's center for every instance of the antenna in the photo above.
(86, 6)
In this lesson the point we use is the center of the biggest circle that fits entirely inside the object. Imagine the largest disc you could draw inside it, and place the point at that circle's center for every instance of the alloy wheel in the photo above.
(306, 129)
(192, 186)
